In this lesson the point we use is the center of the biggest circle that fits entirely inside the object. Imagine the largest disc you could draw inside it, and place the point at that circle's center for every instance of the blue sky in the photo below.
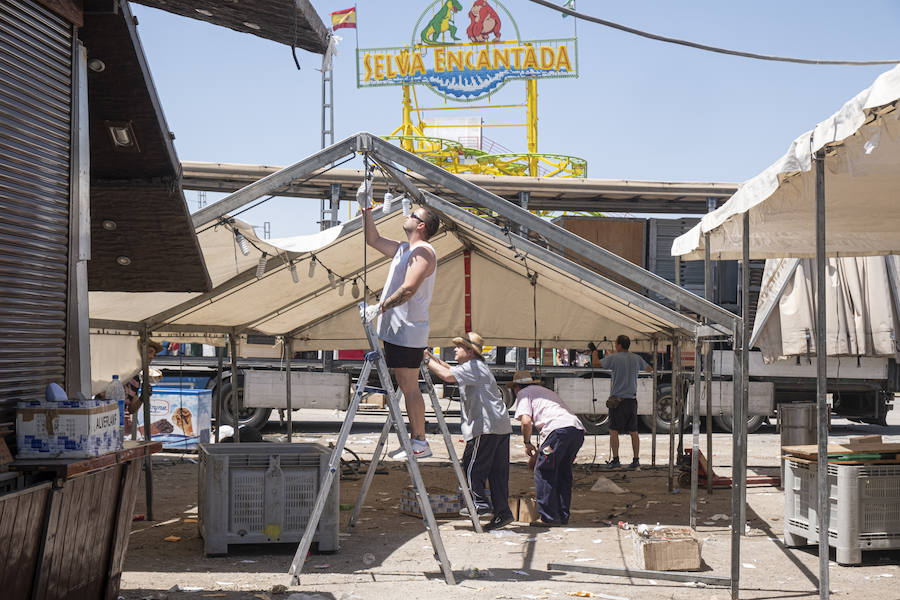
(640, 109)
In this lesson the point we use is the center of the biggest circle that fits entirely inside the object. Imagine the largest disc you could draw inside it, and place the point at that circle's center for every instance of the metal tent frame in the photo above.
(410, 172)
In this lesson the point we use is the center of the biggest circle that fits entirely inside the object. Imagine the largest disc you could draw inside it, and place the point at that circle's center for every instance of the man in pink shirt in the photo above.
(563, 433)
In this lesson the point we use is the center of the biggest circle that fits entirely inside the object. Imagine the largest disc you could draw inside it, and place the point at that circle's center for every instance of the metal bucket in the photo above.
(797, 423)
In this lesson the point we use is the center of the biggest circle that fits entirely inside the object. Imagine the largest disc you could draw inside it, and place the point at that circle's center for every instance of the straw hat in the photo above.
(522, 378)
(151, 344)
(472, 341)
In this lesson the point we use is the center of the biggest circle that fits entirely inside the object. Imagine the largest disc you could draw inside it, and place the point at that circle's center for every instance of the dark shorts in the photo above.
(403, 357)
(623, 418)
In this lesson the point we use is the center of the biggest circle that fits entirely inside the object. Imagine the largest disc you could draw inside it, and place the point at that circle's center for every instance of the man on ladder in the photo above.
(402, 311)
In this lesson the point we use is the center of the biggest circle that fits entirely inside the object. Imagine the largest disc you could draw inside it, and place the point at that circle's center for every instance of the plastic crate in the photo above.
(864, 513)
(258, 493)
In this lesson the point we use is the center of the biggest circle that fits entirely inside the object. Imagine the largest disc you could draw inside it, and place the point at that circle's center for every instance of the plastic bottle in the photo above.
(407, 206)
(388, 201)
(115, 392)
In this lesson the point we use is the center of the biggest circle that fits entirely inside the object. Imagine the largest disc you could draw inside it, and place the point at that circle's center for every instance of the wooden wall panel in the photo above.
(623, 237)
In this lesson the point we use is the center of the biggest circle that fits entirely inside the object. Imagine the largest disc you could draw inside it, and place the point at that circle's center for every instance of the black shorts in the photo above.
(403, 357)
(623, 418)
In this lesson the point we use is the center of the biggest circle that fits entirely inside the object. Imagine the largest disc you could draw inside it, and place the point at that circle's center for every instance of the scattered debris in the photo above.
(279, 588)
(172, 538)
(605, 486)
(517, 572)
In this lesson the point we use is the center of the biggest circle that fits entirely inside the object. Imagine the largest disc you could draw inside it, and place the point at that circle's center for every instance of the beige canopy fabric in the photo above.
(570, 304)
(861, 305)
(862, 179)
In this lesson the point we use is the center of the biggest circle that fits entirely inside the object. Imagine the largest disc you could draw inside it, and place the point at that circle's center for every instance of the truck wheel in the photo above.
(250, 417)
(595, 424)
(663, 412)
(726, 422)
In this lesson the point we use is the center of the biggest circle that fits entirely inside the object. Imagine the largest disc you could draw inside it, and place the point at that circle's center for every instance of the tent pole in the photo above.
(235, 392)
(655, 392)
(218, 411)
(737, 443)
(707, 367)
(695, 435)
(821, 373)
(741, 426)
(673, 409)
(288, 352)
(145, 406)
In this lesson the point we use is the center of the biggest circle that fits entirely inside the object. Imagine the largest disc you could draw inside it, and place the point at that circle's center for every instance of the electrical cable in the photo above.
(669, 40)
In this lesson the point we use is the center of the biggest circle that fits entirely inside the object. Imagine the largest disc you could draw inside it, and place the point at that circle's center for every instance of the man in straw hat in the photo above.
(485, 427)
(402, 311)
(563, 433)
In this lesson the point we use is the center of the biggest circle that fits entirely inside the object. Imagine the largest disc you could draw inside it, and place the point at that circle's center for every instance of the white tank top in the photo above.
(407, 324)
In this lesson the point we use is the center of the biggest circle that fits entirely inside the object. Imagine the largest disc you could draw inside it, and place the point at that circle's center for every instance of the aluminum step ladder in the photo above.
(395, 419)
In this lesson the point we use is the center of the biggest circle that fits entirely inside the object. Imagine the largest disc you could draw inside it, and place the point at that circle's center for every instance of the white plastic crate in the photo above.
(259, 493)
(864, 514)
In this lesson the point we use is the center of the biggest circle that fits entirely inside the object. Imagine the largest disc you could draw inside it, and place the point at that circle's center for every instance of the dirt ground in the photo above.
(388, 555)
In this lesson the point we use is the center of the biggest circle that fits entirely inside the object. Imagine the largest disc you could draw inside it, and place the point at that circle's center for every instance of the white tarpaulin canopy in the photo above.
(862, 189)
(861, 306)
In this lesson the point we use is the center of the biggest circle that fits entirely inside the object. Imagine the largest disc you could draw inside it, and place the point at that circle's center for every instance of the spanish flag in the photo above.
(343, 18)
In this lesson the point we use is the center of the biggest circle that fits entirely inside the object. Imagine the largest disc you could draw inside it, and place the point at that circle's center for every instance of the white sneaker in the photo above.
(420, 450)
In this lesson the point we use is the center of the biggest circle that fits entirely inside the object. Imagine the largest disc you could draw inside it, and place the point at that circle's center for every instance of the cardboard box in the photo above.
(443, 503)
(667, 549)
(70, 429)
(524, 508)
(179, 418)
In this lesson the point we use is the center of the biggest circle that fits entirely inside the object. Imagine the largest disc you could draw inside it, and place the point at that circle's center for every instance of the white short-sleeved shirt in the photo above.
(546, 409)
(483, 410)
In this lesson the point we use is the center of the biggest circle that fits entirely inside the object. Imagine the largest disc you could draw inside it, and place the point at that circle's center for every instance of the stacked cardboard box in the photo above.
(666, 549)
(69, 429)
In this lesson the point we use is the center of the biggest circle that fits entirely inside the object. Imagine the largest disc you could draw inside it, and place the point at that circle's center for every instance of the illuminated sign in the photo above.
(465, 71)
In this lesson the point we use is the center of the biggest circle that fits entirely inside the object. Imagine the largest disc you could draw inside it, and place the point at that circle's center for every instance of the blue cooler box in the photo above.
(179, 418)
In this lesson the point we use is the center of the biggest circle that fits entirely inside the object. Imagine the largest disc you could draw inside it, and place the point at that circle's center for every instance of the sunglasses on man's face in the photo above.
(416, 217)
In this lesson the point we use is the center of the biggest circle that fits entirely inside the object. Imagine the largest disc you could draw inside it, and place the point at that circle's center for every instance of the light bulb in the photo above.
(331, 279)
(388, 201)
(242, 243)
(261, 267)
(294, 275)
(355, 289)
(312, 266)
(341, 287)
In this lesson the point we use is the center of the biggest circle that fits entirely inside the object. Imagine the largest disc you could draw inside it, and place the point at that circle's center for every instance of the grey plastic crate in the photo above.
(258, 493)
(864, 514)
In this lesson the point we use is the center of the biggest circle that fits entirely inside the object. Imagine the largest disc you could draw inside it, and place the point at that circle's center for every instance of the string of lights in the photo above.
(335, 280)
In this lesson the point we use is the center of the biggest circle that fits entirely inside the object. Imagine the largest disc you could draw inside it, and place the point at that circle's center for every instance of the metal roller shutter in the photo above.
(35, 131)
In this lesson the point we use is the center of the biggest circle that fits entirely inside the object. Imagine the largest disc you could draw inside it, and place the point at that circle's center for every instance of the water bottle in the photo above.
(407, 206)
(115, 392)
(388, 201)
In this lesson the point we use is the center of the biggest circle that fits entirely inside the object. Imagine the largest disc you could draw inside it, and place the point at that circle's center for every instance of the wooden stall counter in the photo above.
(70, 528)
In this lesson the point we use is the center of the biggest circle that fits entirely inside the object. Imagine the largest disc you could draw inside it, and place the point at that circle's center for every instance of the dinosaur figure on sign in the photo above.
(442, 21)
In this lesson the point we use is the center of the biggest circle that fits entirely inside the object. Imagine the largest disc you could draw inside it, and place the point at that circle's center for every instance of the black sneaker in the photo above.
(635, 464)
(613, 464)
(479, 510)
(498, 522)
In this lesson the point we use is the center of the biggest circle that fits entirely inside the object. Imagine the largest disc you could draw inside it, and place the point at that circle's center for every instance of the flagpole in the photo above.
(356, 25)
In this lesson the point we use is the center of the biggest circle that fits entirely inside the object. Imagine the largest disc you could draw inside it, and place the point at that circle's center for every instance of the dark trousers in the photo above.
(486, 461)
(553, 473)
